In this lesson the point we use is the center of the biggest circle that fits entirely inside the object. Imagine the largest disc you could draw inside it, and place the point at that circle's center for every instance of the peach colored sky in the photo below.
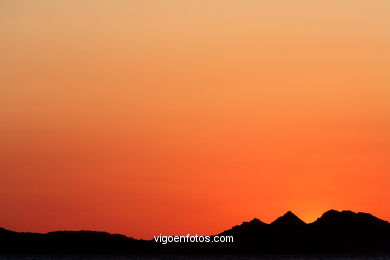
(149, 117)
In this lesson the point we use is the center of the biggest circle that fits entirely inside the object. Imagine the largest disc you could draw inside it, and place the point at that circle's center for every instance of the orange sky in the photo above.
(175, 117)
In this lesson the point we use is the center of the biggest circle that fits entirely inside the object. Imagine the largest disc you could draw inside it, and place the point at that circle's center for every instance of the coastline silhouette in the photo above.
(333, 232)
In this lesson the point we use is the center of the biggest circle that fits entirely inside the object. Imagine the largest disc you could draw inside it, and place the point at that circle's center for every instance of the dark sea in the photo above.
(197, 257)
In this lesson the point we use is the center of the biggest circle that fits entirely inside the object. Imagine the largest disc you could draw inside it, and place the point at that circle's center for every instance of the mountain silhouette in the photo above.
(348, 220)
(333, 232)
(288, 219)
(250, 228)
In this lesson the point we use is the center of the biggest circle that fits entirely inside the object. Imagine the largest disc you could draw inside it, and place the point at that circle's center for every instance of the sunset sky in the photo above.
(151, 117)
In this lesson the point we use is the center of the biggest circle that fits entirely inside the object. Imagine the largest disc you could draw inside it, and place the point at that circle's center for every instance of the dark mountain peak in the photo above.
(256, 221)
(251, 227)
(348, 218)
(289, 214)
(289, 219)
(334, 214)
(330, 214)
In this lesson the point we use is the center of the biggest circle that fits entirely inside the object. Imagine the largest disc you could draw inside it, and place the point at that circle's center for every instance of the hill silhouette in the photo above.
(350, 220)
(334, 231)
(288, 220)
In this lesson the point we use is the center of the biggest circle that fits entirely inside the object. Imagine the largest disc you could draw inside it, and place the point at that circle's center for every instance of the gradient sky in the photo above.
(175, 117)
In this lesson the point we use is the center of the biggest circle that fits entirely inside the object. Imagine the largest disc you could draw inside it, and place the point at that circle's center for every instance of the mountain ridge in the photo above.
(333, 231)
(288, 219)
